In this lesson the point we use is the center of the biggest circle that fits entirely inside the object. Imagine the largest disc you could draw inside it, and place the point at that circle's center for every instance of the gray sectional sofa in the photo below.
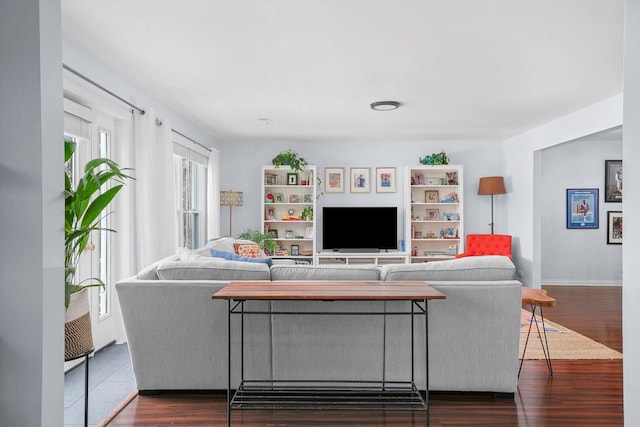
(177, 334)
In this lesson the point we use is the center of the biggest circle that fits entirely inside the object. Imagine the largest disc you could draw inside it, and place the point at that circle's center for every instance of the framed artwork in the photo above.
(309, 233)
(307, 198)
(433, 214)
(582, 208)
(432, 196)
(334, 180)
(385, 180)
(614, 227)
(295, 250)
(360, 180)
(292, 179)
(278, 197)
(613, 180)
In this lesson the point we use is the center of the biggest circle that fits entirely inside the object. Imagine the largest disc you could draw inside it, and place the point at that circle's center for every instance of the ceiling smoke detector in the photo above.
(385, 105)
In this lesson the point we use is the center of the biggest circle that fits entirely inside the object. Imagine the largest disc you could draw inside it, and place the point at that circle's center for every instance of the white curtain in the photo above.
(213, 196)
(155, 208)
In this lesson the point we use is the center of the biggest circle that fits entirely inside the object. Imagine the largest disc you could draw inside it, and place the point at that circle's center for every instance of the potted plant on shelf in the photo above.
(85, 205)
(265, 240)
(291, 159)
(435, 159)
(307, 214)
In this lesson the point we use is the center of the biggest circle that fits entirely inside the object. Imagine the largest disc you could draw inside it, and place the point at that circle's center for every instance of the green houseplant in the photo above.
(265, 240)
(291, 159)
(85, 203)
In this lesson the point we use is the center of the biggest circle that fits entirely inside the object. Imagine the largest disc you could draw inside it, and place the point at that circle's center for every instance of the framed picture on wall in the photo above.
(360, 180)
(582, 208)
(334, 180)
(613, 181)
(385, 180)
(614, 227)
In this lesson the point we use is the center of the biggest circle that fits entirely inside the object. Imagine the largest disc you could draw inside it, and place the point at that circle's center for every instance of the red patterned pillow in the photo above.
(249, 250)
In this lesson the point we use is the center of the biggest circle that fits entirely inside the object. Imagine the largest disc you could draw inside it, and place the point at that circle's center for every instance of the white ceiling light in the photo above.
(385, 105)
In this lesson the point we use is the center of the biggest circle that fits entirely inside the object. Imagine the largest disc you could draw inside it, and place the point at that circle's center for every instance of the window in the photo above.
(191, 182)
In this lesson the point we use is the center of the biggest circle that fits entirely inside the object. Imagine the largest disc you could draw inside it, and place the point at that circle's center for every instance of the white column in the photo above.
(631, 217)
(31, 214)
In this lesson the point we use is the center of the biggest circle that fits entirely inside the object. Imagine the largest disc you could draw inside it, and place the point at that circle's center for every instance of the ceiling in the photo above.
(307, 70)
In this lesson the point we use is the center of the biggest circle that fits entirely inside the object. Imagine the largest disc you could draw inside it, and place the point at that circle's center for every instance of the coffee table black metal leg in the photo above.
(426, 358)
(229, 363)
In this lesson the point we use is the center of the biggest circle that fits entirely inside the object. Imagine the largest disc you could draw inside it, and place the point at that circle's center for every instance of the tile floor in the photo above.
(111, 380)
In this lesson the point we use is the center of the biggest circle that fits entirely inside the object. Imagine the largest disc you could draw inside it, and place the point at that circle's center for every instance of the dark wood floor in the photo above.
(581, 393)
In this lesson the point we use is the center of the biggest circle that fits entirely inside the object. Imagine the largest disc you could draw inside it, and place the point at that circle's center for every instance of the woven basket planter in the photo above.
(78, 339)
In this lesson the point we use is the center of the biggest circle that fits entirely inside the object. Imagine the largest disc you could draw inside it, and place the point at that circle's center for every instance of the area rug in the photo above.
(564, 343)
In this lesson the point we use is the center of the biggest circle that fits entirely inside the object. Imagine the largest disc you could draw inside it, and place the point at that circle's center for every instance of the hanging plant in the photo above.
(291, 159)
(435, 159)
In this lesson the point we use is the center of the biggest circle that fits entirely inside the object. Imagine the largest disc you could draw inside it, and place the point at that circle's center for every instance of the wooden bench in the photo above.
(537, 298)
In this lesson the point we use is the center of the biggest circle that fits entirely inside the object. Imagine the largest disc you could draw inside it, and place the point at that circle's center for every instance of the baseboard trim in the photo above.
(580, 283)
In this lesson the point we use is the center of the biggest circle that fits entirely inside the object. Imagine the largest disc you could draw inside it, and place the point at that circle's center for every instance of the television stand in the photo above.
(360, 258)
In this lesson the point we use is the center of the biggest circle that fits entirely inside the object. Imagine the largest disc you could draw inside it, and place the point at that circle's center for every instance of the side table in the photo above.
(537, 298)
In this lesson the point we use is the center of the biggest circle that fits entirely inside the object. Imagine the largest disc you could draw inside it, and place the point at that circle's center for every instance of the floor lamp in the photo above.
(230, 198)
(491, 185)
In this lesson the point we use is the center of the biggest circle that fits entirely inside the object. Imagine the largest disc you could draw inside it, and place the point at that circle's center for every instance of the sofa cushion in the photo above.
(186, 254)
(213, 269)
(249, 250)
(222, 244)
(489, 267)
(233, 257)
(150, 272)
(325, 272)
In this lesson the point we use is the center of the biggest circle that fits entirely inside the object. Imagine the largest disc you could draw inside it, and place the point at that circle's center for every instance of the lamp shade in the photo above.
(491, 185)
(231, 198)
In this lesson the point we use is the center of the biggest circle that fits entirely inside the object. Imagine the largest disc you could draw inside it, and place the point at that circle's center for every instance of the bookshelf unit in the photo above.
(434, 214)
(285, 196)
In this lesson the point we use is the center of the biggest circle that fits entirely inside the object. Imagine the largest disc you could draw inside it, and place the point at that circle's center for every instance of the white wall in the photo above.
(574, 256)
(523, 173)
(631, 203)
(240, 170)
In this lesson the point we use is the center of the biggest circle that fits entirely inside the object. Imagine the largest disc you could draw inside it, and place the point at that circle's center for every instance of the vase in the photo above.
(78, 340)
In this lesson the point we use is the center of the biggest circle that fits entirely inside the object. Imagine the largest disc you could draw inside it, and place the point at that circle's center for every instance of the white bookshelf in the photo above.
(282, 202)
(434, 214)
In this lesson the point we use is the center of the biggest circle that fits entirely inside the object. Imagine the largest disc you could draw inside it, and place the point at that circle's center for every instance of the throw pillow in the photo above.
(233, 257)
(250, 250)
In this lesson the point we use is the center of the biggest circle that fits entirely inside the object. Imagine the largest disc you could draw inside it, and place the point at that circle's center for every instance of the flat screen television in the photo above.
(359, 229)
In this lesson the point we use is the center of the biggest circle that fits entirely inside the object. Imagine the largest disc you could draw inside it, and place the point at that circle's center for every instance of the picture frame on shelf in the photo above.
(360, 180)
(294, 198)
(278, 198)
(270, 216)
(613, 181)
(433, 214)
(334, 180)
(309, 234)
(417, 178)
(292, 178)
(295, 250)
(386, 180)
(307, 198)
(582, 208)
(271, 179)
(433, 180)
(431, 196)
(614, 227)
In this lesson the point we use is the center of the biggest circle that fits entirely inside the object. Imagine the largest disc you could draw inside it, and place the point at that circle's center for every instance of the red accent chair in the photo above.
(487, 244)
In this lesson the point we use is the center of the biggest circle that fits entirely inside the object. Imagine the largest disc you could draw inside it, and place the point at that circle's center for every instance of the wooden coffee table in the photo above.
(380, 395)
